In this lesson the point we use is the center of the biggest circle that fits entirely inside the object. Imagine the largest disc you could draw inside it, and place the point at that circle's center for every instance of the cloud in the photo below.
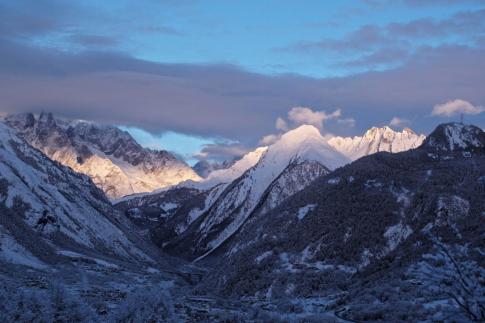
(375, 45)
(30, 17)
(93, 40)
(454, 107)
(221, 152)
(398, 122)
(269, 139)
(378, 57)
(363, 38)
(224, 100)
(379, 4)
(303, 115)
(420, 3)
(162, 30)
(281, 124)
(347, 122)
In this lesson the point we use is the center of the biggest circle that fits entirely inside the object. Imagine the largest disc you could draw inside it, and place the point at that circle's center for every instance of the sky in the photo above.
(213, 79)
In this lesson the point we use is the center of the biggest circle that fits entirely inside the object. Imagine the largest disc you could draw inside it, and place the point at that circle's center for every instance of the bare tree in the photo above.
(455, 275)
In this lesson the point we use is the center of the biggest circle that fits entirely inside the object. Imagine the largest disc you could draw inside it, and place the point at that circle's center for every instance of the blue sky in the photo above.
(252, 34)
(185, 146)
(208, 79)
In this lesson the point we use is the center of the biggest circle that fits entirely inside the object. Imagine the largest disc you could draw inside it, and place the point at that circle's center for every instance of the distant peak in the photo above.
(386, 129)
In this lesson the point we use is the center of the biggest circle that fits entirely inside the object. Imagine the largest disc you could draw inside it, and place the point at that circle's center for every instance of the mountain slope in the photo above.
(384, 225)
(287, 166)
(46, 208)
(111, 157)
(186, 207)
(376, 140)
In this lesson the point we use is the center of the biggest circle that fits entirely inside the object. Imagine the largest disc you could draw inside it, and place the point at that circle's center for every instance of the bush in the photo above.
(146, 305)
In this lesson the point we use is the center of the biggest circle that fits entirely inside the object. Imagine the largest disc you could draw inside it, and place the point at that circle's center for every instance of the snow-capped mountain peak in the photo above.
(305, 142)
(284, 168)
(111, 157)
(376, 140)
(237, 169)
(455, 136)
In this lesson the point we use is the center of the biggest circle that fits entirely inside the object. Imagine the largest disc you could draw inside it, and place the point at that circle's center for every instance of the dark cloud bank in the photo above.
(224, 100)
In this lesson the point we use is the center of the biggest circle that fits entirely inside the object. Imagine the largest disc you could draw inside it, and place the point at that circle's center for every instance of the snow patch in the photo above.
(334, 180)
(303, 211)
(396, 234)
(263, 256)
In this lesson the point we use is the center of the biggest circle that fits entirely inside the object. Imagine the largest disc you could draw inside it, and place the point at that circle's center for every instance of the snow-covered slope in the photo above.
(46, 207)
(375, 140)
(285, 167)
(112, 158)
(149, 209)
(237, 169)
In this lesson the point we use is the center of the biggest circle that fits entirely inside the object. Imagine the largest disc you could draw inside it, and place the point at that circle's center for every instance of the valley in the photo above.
(294, 231)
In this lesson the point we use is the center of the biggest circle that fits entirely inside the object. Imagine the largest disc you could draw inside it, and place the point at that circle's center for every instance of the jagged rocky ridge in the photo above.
(111, 157)
(376, 140)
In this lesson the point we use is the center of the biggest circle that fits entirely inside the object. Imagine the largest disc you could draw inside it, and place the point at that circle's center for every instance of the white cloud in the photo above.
(221, 151)
(398, 122)
(304, 115)
(456, 106)
(281, 124)
(348, 122)
(269, 140)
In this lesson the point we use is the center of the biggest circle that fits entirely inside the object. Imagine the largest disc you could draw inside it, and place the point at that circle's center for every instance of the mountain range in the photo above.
(376, 140)
(111, 157)
(261, 180)
(410, 221)
(383, 227)
(120, 166)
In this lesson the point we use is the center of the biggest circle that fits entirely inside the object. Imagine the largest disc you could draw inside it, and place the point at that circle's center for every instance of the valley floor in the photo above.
(93, 290)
